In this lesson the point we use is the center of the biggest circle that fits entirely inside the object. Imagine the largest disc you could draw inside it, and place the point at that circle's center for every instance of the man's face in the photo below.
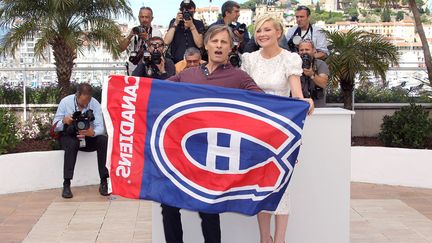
(83, 100)
(145, 17)
(192, 60)
(218, 48)
(233, 15)
(306, 48)
(156, 44)
(302, 18)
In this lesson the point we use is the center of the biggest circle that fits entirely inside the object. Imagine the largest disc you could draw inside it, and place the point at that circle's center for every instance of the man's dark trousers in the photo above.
(70, 144)
(210, 224)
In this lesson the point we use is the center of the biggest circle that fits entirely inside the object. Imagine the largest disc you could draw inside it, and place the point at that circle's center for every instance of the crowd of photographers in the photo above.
(152, 56)
(191, 53)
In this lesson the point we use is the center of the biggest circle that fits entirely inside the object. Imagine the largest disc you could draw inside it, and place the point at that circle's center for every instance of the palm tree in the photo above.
(357, 53)
(64, 25)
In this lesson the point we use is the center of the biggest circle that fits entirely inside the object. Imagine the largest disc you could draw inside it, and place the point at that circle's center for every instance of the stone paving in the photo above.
(379, 214)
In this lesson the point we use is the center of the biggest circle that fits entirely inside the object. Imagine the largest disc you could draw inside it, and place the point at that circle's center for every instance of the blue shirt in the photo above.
(68, 106)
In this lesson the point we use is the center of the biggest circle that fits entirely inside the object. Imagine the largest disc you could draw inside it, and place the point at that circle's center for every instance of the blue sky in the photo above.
(165, 10)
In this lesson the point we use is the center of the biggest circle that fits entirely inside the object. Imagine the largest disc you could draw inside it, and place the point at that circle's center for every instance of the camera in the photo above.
(241, 28)
(234, 57)
(81, 121)
(186, 15)
(139, 29)
(136, 56)
(306, 61)
(293, 43)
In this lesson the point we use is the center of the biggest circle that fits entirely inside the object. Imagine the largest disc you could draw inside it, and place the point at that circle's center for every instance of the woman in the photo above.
(276, 71)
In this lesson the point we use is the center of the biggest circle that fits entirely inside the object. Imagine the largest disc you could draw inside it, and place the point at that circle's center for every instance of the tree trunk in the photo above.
(421, 33)
(347, 88)
(64, 57)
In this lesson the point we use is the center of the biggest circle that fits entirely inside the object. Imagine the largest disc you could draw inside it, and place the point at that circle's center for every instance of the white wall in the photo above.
(44, 170)
(392, 166)
(320, 190)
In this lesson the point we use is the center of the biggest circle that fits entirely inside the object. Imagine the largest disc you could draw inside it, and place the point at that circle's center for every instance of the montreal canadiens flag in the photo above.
(200, 147)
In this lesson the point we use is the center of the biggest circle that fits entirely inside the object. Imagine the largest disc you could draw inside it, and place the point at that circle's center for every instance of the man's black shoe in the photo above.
(103, 189)
(67, 193)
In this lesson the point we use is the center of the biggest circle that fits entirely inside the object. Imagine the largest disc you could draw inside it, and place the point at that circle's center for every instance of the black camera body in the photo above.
(140, 29)
(309, 89)
(306, 61)
(234, 57)
(81, 121)
(136, 56)
(186, 14)
(241, 28)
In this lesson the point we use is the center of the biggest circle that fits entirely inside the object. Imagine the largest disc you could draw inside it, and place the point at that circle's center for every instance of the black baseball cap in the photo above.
(189, 5)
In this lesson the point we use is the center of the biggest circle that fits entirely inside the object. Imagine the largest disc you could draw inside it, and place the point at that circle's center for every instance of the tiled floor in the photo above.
(378, 214)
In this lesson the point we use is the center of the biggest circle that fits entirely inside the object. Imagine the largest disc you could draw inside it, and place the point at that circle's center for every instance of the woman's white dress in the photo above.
(271, 75)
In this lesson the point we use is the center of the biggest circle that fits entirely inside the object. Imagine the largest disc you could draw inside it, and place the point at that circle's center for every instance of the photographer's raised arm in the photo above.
(125, 42)
(197, 37)
(169, 36)
(320, 80)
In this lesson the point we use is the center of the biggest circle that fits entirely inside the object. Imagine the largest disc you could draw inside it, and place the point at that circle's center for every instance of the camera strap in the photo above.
(298, 32)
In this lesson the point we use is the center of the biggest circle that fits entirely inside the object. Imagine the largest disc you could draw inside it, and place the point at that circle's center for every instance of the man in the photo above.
(154, 64)
(184, 32)
(79, 133)
(139, 35)
(218, 72)
(230, 14)
(145, 29)
(192, 58)
(314, 79)
(305, 30)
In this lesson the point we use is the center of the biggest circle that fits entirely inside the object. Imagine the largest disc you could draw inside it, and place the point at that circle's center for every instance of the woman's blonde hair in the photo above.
(276, 23)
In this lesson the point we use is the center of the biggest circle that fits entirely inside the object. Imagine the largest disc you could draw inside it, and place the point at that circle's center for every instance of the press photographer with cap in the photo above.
(315, 73)
(305, 30)
(79, 119)
(153, 64)
(184, 31)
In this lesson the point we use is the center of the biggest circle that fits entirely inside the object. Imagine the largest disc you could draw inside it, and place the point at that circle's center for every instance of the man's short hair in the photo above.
(229, 6)
(190, 5)
(307, 41)
(146, 8)
(84, 89)
(216, 29)
(192, 51)
(153, 38)
(308, 12)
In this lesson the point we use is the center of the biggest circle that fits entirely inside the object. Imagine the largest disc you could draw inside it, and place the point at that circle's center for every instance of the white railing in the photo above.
(94, 72)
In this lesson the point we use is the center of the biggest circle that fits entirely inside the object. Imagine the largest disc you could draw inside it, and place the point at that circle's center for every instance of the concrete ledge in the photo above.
(392, 166)
(44, 170)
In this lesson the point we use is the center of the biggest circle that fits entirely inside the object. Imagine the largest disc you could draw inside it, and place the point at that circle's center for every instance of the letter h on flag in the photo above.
(199, 147)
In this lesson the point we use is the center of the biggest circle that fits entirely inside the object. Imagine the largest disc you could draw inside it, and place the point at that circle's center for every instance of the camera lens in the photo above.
(81, 125)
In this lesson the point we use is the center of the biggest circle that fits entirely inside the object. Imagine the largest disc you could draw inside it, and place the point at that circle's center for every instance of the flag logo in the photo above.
(219, 149)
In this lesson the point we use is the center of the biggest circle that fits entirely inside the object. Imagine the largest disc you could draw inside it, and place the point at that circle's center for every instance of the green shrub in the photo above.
(8, 129)
(409, 127)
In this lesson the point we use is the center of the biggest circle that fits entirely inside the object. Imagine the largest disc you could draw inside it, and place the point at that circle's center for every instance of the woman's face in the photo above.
(267, 34)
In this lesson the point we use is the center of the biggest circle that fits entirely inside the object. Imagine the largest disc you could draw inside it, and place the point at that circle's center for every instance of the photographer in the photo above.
(79, 119)
(154, 64)
(305, 30)
(138, 36)
(184, 31)
(230, 14)
(315, 74)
